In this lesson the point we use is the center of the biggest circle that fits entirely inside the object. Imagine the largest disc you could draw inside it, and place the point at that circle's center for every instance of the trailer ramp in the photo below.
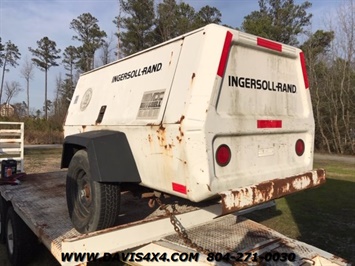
(239, 237)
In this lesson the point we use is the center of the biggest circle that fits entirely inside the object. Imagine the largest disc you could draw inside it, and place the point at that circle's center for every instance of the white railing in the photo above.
(12, 143)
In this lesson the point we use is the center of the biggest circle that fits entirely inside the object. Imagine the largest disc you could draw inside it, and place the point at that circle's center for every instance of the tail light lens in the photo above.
(299, 147)
(223, 155)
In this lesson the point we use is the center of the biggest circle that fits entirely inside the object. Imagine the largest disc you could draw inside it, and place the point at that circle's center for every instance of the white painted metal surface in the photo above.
(178, 101)
(12, 143)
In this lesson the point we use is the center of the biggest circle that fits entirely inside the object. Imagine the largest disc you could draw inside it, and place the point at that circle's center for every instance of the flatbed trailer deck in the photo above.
(40, 202)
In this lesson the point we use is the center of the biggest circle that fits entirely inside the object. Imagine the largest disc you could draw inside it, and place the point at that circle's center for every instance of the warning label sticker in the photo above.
(150, 104)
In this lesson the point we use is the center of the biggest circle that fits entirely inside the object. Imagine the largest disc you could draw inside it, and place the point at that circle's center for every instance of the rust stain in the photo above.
(168, 146)
(153, 125)
(180, 120)
(183, 161)
(161, 135)
(339, 259)
(192, 80)
(181, 133)
(41, 232)
(242, 198)
(83, 127)
(160, 131)
(171, 58)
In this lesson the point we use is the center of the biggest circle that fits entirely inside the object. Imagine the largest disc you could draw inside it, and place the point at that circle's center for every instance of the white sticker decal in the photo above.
(86, 99)
(150, 104)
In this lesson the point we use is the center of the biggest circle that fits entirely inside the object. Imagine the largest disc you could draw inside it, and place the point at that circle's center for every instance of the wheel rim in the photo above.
(84, 194)
(10, 237)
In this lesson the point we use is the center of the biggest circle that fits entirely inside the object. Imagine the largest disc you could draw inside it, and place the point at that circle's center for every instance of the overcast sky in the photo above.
(24, 22)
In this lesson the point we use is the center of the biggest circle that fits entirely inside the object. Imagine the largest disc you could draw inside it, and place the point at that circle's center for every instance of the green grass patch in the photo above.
(336, 170)
(323, 217)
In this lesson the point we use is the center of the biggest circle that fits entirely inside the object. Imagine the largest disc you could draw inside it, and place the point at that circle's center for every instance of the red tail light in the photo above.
(223, 155)
(299, 147)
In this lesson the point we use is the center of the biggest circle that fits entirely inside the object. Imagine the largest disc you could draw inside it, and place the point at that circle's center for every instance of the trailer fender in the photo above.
(110, 156)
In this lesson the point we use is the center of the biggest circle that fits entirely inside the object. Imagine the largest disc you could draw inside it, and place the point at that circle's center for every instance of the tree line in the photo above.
(330, 55)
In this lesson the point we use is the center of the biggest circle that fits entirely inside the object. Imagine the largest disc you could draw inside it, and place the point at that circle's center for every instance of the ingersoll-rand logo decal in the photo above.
(259, 84)
(137, 72)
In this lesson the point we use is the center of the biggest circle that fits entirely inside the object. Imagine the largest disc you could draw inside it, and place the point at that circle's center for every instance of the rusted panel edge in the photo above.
(243, 198)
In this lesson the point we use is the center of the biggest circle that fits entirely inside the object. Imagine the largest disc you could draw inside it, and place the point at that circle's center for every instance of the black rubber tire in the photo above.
(21, 243)
(3, 209)
(92, 205)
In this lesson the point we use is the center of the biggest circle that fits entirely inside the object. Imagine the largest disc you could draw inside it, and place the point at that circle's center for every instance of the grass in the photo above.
(323, 217)
(42, 160)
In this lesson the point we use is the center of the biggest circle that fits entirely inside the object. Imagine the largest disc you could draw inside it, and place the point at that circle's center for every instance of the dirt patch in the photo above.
(42, 163)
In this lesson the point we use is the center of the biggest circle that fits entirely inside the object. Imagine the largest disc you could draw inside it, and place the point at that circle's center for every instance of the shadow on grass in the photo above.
(323, 217)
